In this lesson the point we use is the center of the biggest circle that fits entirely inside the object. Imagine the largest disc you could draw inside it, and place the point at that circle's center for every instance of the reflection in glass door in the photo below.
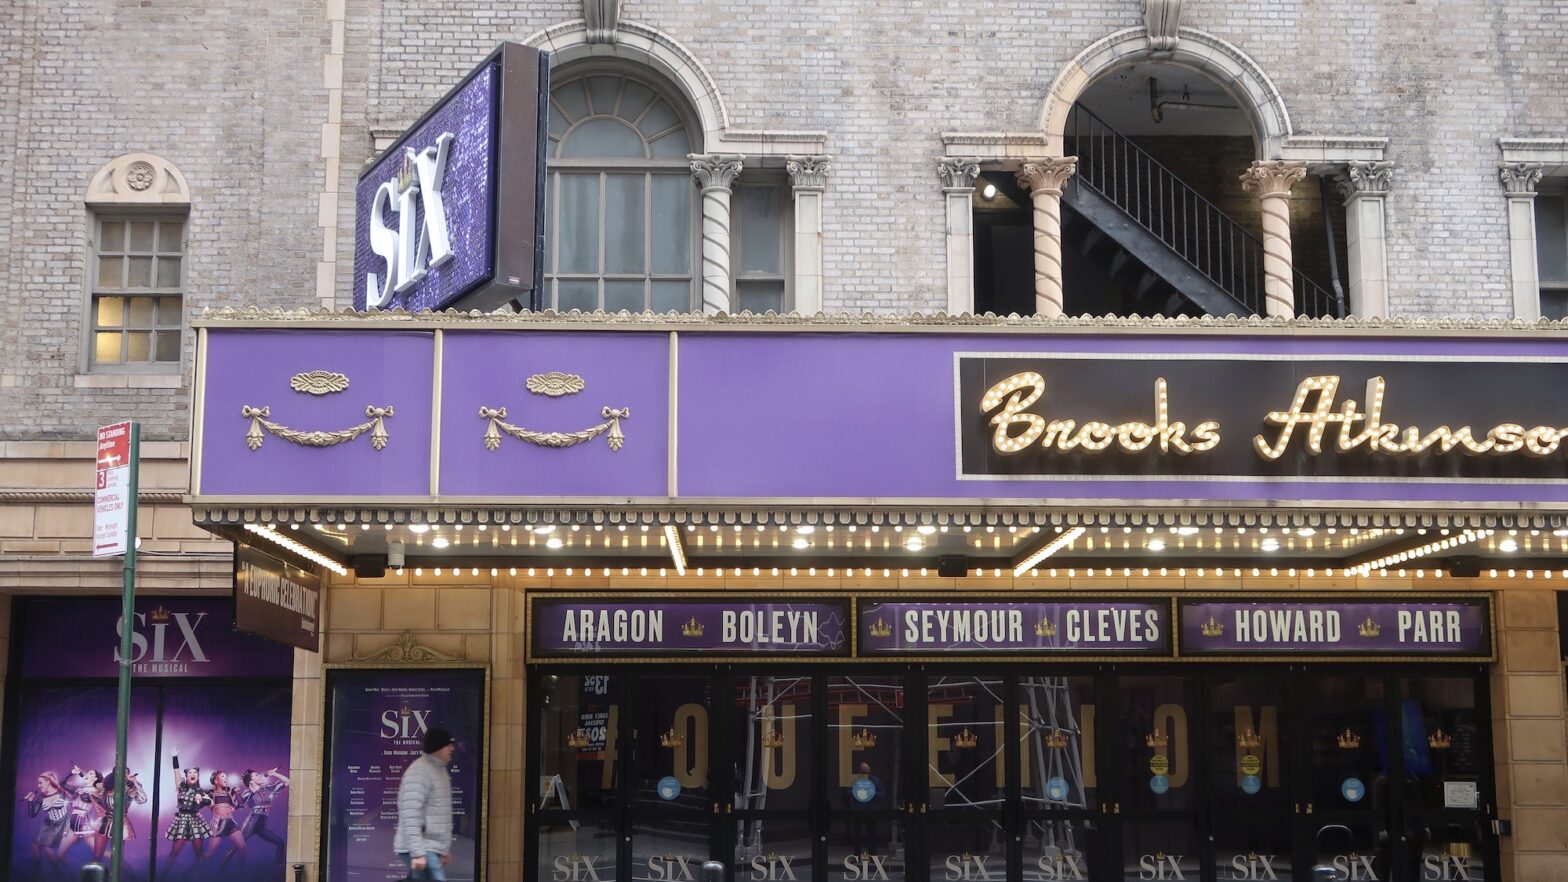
(966, 779)
(1157, 793)
(670, 812)
(866, 768)
(1347, 815)
(1248, 737)
(578, 747)
(1058, 778)
(772, 748)
(1446, 757)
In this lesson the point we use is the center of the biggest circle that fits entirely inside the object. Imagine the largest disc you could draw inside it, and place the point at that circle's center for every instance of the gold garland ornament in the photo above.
(497, 417)
(260, 418)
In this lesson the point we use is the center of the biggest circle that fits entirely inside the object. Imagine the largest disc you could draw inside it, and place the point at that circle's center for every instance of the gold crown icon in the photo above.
(1248, 740)
(160, 613)
(672, 738)
(1349, 740)
(1156, 740)
(773, 738)
(1159, 856)
(576, 857)
(881, 629)
(577, 739)
(1046, 628)
(865, 856)
(966, 857)
(1252, 856)
(1440, 740)
(1212, 628)
(863, 739)
(1369, 628)
(405, 173)
(669, 856)
(692, 628)
(1057, 740)
(772, 858)
(404, 711)
(966, 739)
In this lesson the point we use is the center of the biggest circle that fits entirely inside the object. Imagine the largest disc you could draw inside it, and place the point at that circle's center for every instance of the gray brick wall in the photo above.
(232, 93)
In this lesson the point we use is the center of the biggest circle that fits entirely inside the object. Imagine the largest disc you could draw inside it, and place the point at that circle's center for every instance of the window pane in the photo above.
(139, 272)
(111, 272)
(576, 294)
(142, 235)
(658, 118)
(168, 272)
(138, 347)
(168, 345)
(572, 100)
(1554, 303)
(758, 210)
(558, 123)
(760, 296)
(106, 348)
(672, 196)
(579, 231)
(634, 100)
(111, 311)
(603, 138)
(169, 312)
(671, 146)
(619, 295)
(671, 296)
(141, 312)
(111, 236)
(602, 91)
(623, 223)
(170, 234)
(1551, 238)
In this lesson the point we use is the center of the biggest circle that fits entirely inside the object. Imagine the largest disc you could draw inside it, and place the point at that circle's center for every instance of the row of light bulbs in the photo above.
(906, 572)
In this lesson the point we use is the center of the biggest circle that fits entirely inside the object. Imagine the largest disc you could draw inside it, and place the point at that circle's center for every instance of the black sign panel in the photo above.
(1218, 417)
(276, 600)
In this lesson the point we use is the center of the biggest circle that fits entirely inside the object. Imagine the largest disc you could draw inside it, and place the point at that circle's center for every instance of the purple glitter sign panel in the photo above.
(1086, 626)
(172, 638)
(467, 194)
(566, 628)
(1442, 629)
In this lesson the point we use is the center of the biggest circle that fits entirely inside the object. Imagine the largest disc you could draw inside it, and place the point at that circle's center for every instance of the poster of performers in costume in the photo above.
(207, 778)
(378, 721)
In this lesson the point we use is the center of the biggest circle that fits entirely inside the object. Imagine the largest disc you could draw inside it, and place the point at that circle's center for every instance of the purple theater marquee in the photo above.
(1086, 626)
(177, 638)
(654, 412)
(1432, 628)
(633, 627)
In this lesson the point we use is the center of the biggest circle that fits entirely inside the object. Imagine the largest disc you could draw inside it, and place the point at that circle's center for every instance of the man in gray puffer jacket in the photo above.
(424, 809)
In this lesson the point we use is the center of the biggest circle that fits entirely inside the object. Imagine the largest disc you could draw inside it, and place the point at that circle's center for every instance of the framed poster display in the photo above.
(376, 722)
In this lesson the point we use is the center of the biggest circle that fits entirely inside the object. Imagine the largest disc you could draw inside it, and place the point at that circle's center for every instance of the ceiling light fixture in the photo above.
(988, 192)
(1269, 544)
(553, 542)
(1060, 541)
(439, 542)
(1508, 546)
(672, 538)
(1418, 551)
(298, 548)
(1155, 545)
(801, 542)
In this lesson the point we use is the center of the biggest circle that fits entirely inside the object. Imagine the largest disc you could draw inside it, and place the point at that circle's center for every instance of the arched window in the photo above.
(623, 206)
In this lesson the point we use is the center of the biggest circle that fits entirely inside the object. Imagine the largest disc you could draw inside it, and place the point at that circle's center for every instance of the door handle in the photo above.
(909, 808)
(715, 808)
(1116, 808)
(1297, 809)
(1309, 808)
(922, 808)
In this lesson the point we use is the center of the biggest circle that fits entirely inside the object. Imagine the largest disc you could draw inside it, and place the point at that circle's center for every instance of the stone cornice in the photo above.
(938, 321)
(82, 497)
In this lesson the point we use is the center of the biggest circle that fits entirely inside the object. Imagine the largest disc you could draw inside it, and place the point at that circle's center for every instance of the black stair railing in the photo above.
(1180, 217)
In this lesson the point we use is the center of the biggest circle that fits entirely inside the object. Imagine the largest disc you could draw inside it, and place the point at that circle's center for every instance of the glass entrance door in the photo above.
(773, 813)
(868, 760)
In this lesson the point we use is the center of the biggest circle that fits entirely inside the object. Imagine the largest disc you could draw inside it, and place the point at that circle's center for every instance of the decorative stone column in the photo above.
(715, 173)
(1520, 180)
(958, 188)
(1044, 179)
(1364, 186)
(808, 177)
(1273, 180)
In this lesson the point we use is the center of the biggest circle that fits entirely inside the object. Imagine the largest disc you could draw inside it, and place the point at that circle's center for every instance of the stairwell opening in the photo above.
(1155, 221)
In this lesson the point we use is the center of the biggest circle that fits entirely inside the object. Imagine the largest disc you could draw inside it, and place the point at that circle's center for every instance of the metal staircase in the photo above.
(1170, 250)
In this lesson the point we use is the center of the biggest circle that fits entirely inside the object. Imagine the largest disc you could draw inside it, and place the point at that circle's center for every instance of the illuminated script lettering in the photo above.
(1354, 428)
(1017, 429)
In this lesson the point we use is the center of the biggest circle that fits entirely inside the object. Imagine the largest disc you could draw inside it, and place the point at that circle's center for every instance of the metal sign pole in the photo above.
(122, 720)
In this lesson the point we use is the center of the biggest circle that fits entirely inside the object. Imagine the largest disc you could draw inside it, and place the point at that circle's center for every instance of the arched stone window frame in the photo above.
(136, 188)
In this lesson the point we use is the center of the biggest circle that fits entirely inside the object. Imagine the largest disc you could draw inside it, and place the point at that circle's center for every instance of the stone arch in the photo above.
(1230, 68)
(641, 44)
(138, 179)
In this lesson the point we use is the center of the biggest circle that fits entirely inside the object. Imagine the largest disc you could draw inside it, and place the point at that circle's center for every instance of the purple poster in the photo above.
(378, 722)
(64, 756)
(430, 195)
(1083, 626)
(175, 638)
(1441, 629)
(564, 628)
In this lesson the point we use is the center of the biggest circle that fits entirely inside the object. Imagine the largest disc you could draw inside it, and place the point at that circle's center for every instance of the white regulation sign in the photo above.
(112, 503)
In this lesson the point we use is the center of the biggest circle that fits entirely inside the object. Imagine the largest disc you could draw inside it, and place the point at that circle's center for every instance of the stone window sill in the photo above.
(129, 381)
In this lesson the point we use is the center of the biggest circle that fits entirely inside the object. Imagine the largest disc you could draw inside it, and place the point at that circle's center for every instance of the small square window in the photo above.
(137, 302)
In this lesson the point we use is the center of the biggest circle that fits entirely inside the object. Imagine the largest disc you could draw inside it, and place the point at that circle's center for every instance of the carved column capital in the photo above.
(1048, 174)
(1364, 179)
(1520, 178)
(807, 172)
(601, 18)
(715, 171)
(1272, 177)
(1162, 20)
(958, 172)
